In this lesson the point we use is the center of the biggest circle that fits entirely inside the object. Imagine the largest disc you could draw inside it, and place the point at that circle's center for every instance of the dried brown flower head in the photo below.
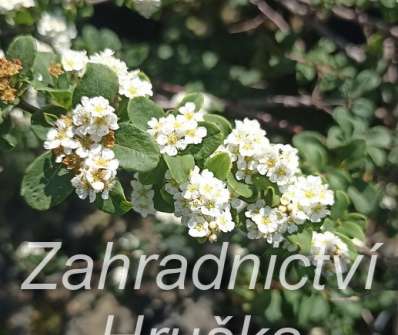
(9, 68)
(55, 70)
(8, 95)
(108, 141)
(72, 162)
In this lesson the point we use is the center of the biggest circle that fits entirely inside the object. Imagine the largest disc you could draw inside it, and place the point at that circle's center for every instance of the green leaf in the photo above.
(379, 137)
(344, 119)
(270, 197)
(210, 143)
(163, 201)
(351, 229)
(41, 64)
(379, 156)
(338, 179)
(261, 182)
(341, 204)
(140, 110)
(7, 140)
(23, 48)
(302, 240)
(96, 40)
(312, 149)
(335, 138)
(136, 55)
(305, 71)
(319, 307)
(61, 97)
(24, 17)
(364, 196)
(220, 164)
(155, 176)
(180, 166)
(366, 81)
(46, 183)
(135, 149)
(352, 152)
(241, 189)
(273, 312)
(363, 107)
(196, 98)
(221, 122)
(99, 80)
(117, 203)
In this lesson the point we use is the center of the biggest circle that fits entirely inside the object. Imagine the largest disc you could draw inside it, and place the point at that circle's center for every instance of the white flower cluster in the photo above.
(10, 5)
(142, 198)
(302, 198)
(268, 223)
(147, 7)
(131, 83)
(329, 244)
(203, 203)
(82, 141)
(253, 153)
(305, 199)
(175, 133)
(56, 30)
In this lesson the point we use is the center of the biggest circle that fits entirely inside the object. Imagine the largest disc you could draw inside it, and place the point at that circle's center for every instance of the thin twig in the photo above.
(28, 107)
(364, 19)
(247, 25)
(293, 101)
(272, 15)
(309, 15)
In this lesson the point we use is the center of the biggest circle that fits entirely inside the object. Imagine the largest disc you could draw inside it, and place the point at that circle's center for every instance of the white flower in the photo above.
(330, 244)
(189, 114)
(61, 136)
(307, 198)
(107, 58)
(83, 188)
(132, 86)
(55, 28)
(79, 136)
(81, 119)
(224, 222)
(198, 227)
(97, 174)
(195, 135)
(102, 159)
(142, 198)
(97, 106)
(72, 60)
(203, 205)
(94, 116)
(175, 133)
(10, 5)
(147, 7)
(100, 180)
(86, 145)
(266, 222)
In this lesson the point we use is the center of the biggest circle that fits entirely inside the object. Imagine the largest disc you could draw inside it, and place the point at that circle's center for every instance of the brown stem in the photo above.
(271, 14)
